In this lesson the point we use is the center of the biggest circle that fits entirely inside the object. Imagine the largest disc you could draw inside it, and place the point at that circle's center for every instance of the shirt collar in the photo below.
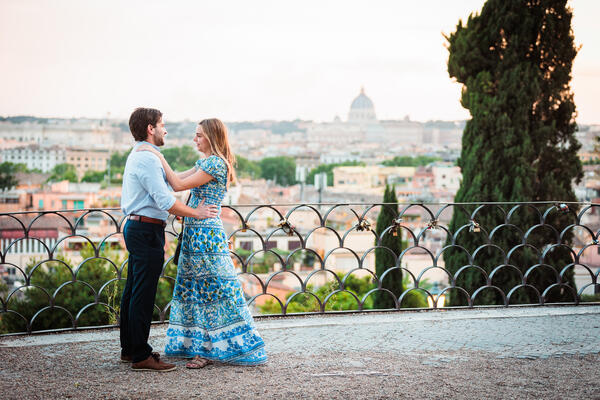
(148, 143)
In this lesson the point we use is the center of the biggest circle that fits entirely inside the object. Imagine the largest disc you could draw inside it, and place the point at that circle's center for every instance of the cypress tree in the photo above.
(383, 258)
(514, 60)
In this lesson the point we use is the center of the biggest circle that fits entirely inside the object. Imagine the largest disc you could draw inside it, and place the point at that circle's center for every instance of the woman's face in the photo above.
(201, 141)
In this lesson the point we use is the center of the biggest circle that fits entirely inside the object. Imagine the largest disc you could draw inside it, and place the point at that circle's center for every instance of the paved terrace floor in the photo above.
(542, 352)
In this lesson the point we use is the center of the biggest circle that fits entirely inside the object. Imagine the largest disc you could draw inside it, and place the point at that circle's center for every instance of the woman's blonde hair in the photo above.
(216, 133)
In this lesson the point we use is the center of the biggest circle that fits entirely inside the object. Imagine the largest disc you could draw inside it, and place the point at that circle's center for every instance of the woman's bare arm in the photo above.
(185, 174)
(198, 178)
(192, 179)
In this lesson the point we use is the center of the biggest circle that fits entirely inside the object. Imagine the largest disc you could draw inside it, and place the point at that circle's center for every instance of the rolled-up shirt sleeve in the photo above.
(152, 179)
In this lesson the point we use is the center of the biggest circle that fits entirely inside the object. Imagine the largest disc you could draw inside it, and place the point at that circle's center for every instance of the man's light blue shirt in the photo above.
(145, 188)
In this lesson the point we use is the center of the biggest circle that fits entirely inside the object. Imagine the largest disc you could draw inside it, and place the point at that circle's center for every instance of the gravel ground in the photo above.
(522, 353)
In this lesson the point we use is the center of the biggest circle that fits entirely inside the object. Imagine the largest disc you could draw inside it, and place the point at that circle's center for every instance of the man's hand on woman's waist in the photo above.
(201, 212)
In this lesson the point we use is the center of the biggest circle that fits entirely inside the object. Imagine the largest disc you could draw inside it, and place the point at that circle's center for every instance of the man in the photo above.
(147, 202)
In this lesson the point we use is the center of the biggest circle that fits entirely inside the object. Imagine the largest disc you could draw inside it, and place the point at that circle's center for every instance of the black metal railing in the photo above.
(65, 269)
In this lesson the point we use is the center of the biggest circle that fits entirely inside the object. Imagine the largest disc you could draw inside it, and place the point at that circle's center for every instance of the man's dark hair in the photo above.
(139, 121)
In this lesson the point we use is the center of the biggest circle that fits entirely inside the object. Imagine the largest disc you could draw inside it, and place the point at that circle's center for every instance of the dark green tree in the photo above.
(117, 165)
(514, 60)
(408, 161)
(62, 172)
(93, 176)
(385, 260)
(3, 289)
(7, 175)
(118, 160)
(280, 169)
(246, 168)
(181, 158)
(596, 159)
(73, 297)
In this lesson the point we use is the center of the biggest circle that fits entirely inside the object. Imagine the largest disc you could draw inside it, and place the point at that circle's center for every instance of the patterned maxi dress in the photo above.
(209, 316)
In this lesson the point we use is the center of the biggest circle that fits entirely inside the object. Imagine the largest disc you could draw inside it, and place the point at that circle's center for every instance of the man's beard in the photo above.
(160, 141)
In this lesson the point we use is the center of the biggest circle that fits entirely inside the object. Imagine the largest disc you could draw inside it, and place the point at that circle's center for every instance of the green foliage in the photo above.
(118, 160)
(408, 161)
(20, 167)
(514, 60)
(74, 296)
(385, 260)
(246, 168)
(93, 176)
(181, 158)
(328, 168)
(280, 169)
(415, 298)
(340, 301)
(117, 165)
(49, 276)
(3, 289)
(63, 172)
(590, 298)
(19, 119)
(7, 175)
(304, 302)
(263, 262)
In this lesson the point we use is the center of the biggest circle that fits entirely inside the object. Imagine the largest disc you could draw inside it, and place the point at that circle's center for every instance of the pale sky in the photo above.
(247, 60)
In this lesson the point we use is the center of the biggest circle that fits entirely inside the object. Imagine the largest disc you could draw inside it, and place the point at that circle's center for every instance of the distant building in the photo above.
(35, 156)
(362, 109)
(446, 176)
(46, 158)
(81, 133)
(424, 178)
(336, 157)
(75, 196)
(357, 178)
(87, 160)
(43, 233)
(336, 133)
(19, 198)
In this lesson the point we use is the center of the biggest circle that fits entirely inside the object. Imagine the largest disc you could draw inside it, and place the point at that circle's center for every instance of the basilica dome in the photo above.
(361, 109)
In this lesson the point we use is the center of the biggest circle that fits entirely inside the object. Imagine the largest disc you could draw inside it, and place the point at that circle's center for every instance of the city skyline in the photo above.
(262, 61)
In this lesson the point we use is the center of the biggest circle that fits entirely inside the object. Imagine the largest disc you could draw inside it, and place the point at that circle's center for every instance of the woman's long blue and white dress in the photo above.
(209, 316)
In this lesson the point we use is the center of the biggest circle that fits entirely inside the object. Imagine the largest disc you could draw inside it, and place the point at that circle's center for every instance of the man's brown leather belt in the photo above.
(149, 220)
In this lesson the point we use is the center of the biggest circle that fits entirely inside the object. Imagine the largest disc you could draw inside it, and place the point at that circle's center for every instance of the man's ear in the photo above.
(149, 132)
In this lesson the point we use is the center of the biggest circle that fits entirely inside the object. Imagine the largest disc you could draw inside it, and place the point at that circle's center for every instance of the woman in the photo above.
(209, 318)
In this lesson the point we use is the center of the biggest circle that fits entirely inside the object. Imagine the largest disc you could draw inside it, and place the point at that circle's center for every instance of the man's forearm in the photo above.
(182, 210)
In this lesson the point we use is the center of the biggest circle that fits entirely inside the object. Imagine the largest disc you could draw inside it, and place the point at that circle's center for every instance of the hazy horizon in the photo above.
(240, 61)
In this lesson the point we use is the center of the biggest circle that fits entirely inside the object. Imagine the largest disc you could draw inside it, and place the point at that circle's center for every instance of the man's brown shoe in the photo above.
(153, 363)
(128, 359)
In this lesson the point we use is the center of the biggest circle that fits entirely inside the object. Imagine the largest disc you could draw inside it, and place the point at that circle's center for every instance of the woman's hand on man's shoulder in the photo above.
(146, 147)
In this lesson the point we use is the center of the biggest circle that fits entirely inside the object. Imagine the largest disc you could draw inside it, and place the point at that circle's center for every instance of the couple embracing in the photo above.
(209, 319)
